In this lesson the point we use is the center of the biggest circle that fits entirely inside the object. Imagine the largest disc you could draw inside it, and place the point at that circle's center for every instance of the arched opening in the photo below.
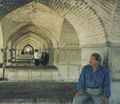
(28, 49)
(31, 34)
(53, 33)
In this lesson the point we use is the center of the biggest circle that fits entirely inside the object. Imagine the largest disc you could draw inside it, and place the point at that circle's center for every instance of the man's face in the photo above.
(93, 61)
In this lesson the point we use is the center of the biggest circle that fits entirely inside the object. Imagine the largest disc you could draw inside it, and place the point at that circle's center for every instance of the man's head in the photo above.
(95, 59)
(36, 50)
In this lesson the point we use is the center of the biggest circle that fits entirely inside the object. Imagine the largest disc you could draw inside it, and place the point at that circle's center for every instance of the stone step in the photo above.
(29, 90)
(35, 101)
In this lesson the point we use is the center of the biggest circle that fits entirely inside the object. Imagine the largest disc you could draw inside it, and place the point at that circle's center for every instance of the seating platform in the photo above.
(27, 90)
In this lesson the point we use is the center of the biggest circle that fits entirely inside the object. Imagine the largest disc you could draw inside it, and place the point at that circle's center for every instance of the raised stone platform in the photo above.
(30, 73)
(42, 73)
(45, 92)
(30, 90)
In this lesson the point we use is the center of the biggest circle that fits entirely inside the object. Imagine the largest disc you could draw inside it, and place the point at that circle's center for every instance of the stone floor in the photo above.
(35, 101)
(45, 92)
(36, 92)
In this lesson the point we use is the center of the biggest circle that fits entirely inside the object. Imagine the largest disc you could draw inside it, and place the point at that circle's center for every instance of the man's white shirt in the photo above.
(37, 55)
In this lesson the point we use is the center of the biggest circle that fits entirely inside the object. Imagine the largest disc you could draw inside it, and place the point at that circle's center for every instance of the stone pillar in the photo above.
(1, 45)
(4, 61)
(56, 57)
(114, 62)
(9, 54)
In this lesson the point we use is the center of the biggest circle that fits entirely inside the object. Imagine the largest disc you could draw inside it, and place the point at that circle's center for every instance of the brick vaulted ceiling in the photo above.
(85, 15)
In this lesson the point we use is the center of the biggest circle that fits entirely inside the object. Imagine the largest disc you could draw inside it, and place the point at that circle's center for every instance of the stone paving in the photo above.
(45, 92)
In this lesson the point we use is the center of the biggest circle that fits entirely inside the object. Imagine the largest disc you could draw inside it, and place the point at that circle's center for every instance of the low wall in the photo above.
(66, 73)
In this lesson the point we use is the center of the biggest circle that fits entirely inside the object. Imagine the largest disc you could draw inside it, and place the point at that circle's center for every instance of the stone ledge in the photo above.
(33, 67)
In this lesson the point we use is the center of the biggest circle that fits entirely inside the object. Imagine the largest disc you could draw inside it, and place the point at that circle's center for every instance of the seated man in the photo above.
(94, 83)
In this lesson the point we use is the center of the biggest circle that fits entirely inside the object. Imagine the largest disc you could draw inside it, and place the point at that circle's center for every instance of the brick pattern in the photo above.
(115, 32)
(92, 19)
(6, 6)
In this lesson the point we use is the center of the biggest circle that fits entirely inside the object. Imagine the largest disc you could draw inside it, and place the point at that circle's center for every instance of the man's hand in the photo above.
(79, 93)
(103, 100)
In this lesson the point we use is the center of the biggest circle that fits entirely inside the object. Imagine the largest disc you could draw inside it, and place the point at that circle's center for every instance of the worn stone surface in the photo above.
(37, 90)
(114, 63)
(62, 73)
(45, 92)
(69, 56)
